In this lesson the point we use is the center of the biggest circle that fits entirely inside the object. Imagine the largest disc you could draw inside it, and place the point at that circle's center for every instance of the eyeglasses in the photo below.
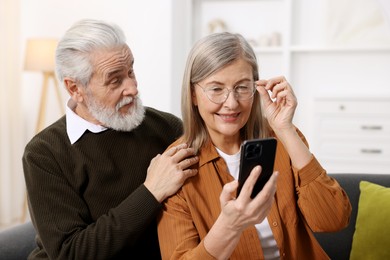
(219, 95)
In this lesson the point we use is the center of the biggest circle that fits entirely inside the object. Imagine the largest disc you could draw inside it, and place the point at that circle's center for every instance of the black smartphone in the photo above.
(257, 152)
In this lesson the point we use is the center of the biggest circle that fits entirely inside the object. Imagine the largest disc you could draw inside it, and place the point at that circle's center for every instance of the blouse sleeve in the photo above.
(183, 241)
(324, 204)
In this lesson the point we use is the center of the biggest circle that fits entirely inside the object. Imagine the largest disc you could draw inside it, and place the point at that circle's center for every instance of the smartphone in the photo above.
(257, 152)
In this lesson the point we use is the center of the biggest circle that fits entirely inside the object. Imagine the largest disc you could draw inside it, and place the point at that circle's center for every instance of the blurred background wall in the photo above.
(332, 49)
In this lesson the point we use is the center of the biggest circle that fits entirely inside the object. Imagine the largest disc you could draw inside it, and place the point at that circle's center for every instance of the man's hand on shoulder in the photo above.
(168, 171)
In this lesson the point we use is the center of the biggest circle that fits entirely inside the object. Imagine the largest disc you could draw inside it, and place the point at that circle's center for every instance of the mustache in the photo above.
(125, 101)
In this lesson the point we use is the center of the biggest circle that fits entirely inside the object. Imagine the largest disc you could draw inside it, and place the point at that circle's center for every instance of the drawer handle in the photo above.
(371, 151)
(372, 127)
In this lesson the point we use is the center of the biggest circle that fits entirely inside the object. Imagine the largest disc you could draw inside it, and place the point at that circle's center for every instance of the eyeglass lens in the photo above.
(219, 94)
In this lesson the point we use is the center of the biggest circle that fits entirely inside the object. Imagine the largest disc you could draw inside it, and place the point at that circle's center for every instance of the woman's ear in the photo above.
(75, 92)
(193, 96)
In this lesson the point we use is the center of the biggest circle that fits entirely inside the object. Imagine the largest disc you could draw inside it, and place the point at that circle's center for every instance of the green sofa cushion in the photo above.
(371, 239)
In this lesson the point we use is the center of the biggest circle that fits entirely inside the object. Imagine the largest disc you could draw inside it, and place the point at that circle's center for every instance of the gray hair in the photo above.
(74, 50)
(206, 57)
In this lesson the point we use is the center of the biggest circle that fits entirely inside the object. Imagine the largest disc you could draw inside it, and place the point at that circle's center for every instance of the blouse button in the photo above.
(274, 223)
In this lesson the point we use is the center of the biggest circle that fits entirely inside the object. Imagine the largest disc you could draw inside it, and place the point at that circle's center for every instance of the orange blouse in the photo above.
(306, 200)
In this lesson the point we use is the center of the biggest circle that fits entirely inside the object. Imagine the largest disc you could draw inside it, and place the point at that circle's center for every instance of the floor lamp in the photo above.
(40, 55)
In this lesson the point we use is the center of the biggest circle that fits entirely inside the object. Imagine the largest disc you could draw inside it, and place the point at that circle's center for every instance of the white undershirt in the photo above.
(268, 243)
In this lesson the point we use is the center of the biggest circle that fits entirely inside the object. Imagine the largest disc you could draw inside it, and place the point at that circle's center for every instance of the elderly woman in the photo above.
(223, 104)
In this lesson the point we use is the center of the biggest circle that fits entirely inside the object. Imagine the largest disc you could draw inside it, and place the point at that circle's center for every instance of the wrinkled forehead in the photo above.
(106, 60)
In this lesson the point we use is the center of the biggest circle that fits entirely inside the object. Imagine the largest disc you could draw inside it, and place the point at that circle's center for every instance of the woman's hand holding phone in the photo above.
(243, 211)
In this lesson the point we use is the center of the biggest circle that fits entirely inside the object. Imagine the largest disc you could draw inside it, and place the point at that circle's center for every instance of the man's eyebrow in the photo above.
(111, 73)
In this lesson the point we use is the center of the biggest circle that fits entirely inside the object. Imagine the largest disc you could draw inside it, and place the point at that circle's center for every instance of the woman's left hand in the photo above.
(278, 102)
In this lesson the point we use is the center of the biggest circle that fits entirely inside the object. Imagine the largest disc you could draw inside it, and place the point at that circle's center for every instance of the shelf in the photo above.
(273, 50)
(250, 18)
(340, 49)
(353, 97)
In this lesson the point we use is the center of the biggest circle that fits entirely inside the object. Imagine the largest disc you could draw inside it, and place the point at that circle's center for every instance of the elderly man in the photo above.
(96, 177)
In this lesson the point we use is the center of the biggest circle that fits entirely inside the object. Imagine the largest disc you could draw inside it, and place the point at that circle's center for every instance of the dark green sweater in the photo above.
(87, 200)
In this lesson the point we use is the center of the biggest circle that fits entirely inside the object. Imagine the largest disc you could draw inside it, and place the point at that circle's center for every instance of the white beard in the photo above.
(112, 118)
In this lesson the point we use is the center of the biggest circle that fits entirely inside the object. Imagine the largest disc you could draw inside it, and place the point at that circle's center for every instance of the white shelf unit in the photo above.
(310, 56)
(353, 134)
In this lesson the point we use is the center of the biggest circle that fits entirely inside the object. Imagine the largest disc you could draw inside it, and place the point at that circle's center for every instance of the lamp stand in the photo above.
(47, 75)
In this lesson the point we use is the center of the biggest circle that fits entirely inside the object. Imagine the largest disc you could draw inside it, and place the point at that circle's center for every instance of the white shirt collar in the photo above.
(76, 126)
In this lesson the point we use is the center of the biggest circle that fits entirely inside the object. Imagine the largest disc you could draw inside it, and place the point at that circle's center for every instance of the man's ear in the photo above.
(74, 90)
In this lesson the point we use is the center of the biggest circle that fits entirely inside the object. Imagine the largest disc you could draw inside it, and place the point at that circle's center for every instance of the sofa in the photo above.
(338, 245)
(17, 242)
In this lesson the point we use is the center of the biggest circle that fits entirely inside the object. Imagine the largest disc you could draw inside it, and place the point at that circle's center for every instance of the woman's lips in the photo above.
(229, 117)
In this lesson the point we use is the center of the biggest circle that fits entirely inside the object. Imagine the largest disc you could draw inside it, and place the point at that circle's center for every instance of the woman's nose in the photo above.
(231, 100)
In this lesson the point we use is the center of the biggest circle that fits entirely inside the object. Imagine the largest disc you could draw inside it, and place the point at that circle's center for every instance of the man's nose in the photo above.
(130, 87)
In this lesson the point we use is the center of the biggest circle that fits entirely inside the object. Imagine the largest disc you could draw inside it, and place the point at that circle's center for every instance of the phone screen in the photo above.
(257, 152)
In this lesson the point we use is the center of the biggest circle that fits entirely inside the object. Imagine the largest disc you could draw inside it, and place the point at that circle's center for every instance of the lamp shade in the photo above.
(40, 54)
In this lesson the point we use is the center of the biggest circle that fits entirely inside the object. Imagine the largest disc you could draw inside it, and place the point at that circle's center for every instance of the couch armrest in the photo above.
(17, 242)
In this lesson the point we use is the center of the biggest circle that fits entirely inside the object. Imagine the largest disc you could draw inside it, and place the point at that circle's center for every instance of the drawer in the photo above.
(363, 126)
(351, 107)
(364, 149)
(346, 166)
